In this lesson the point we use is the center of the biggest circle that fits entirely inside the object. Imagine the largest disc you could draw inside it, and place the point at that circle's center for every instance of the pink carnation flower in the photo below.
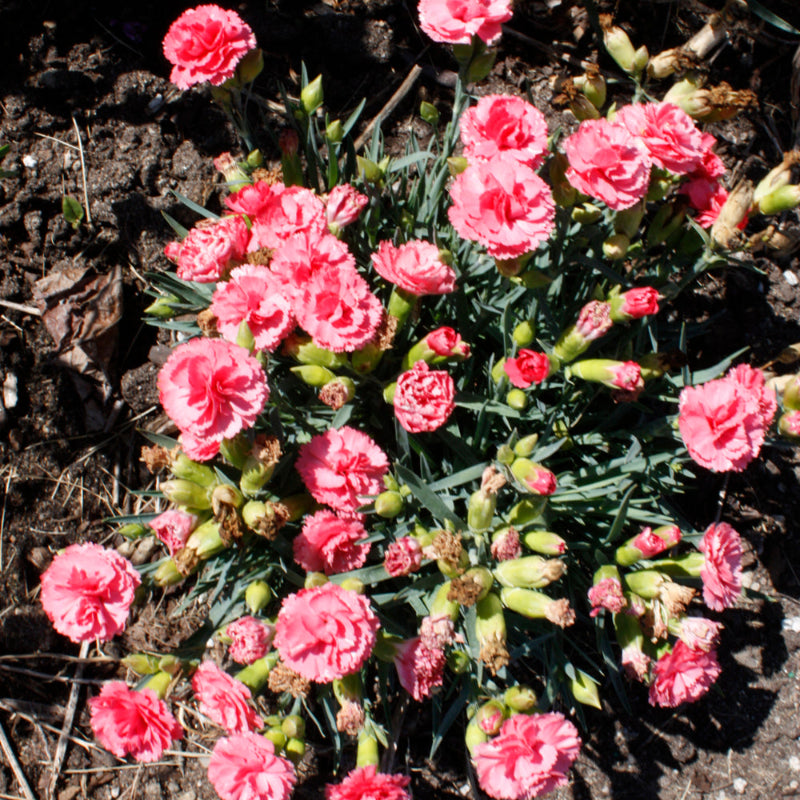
(173, 528)
(505, 206)
(415, 267)
(607, 163)
(650, 544)
(342, 467)
(637, 303)
(672, 139)
(136, 723)
(707, 197)
(366, 783)
(699, 633)
(457, 21)
(506, 546)
(594, 320)
(607, 594)
(87, 592)
(326, 632)
(635, 662)
(281, 212)
(541, 480)
(206, 44)
(711, 165)
(754, 386)
(251, 639)
(255, 296)
(245, 767)
(210, 250)
(502, 123)
(343, 207)
(330, 544)
(722, 423)
(529, 757)
(423, 399)
(722, 569)
(403, 557)
(445, 342)
(223, 699)
(683, 676)
(212, 390)
(420, 667)
(528, 367)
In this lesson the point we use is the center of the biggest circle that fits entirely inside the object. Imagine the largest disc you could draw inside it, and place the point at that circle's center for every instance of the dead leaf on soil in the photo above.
(80, 310)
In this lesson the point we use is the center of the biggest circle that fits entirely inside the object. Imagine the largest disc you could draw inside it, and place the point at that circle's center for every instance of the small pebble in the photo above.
(790, 277)
(794, 763)
(29, 161)
(792, 624)
(739, 785)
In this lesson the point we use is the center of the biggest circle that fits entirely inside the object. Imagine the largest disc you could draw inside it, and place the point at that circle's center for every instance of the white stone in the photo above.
(790, 277)
(29, 161)
(739, 785)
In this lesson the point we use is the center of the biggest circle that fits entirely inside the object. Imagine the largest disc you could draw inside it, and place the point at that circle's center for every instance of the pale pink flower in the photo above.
(251, 639)
(343, 207)
(420, 667)
(722, 569)
(506, 546)
(326, 632)
(672, 139)
(255, 296)
(173, 527)
(212, 390)
(457, 21)
(424, 398)
(445, 342)
(607, 594)
(607, 163)
(416, 267)
(721, 424)
(594, 320)
(753, 385)
(210, 250)
(245, 767)
(635, 662)
(342, 468)
(403, 557)
(503, 205)
(338, 310)
(707, 197)
(527, 368)
(87, 592)
(206, 44)
(224, 700)
(650, 544)
(350, 718)
(436, 631)
(132, 723)
(502, 123)
(789, 424)
(699, 633)
(331, 544)
(529, 757)
(683, 676)
(366, 783)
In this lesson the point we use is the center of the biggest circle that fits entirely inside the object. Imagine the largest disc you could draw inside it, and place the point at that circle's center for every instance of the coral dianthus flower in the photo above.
(457, 21)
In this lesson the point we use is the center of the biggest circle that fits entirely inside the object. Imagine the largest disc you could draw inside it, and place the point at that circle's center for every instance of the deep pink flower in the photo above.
(416, 267)
(251, 639)
(223, 699)
(212, 390)
(87, 592)
(331, 544)
(651, 544)
(711, 165)
(672, 139)
(594, 320)
(706, 196)
(423, 399)
(637, 303)
(420, 667)
(326, 632)
(506, 545)
(503, 205)
(206, 44)
(255, 296)
(722, 570)
(541, 480)
(457, 21)
(754, 387)
(403, 557)
(132, 723)
(445, 342)
(343, 207)
(342, 467)
(527, 368)
(683, 676)
(607, 594)
(366, 783)
(721, 424)
(699, 633)
(607, 163)
(245, 767)
(210, 250)
(529, 757)
(173, 527)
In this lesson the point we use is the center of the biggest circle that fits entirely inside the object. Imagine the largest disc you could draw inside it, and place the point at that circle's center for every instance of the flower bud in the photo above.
(295, 749)
(429, 112)
(294, 726)
(257, 596)
(255, 676)
(313, 375)
(789, 425)
(625, 375)
(618, 45)
(167, 574)
(141, 663)
(536, 478)
(369, 170)
(545, 542)
(162, 306)
(311, 95)
(593, 85)
(587, 214)
(490, 716)
(564, 193)
(353, 585)
(584, 689)
(474, 736)
(244, 337)
(335, 131)
(482, 577)
(520, 698)
(628, 220)
(441, 606)
(529, 572)
(183, 467)
(490, 631)
(367, 753)
(314, 579)
(159, 683)
(777, 177)
(594, 321)
(526, 445)
(277, 737)
(640, 59)
(634, 304)
(688, 565)
(646, 583)
(582, 108)
(536, 605)
(303, 350)
(505, 454)
(784, 198)
(186, 493)
(517, 399)
(236, 450)
(524, 333)
(526, 511)
(480, 66)
(459, 662)
(615, 247)
(456, 165)
(480, 510)
(133, 530)
(389, 504)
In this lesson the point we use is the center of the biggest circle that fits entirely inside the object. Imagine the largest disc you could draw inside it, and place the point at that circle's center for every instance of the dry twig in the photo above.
(11, 757)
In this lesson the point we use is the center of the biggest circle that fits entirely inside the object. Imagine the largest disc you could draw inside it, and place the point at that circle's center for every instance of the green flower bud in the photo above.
(167, 574)
(498, 371)
(458, 661)
(564, 193)
(170, 664)
(297, 505)
(474, 736)
(257, 596)
(335, 131)
(353, 585)
(530, 572)
(490, 717)
(619, 47)
(303, 350)
(389, 391)
(480, 510)
(490, 623)
(616, 246)
(628, 220)
(520, 698)
(584, 689)
(255, 159)
(583, 108)
(314, 579)
(586, 214)
(524, 334)
(186, 493)
(294, 726)
(159, 683)
(517, 399)
(250, 67)
(133, 530)
(313, 375)
(429, 112)
(244, 337)
(369, 170)
(236, 450)
(646, 583)
(389, 504)
(183, 467)
(366, 359)
(545, 542)
(441, 606)
(141, 663)
(685, 566)
(311, 95)
(255, 676)
(593, 85)
(526, 511)
(526, 445)
(505, 454)
(456, 165)
(161, 307)
(277, 737)
(367, 752)
(784, 198)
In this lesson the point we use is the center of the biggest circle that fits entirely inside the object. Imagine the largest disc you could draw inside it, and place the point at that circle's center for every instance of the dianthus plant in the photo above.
(431, 422)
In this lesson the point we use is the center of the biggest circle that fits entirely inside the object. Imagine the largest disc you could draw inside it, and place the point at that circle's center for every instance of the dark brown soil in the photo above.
(69, 447)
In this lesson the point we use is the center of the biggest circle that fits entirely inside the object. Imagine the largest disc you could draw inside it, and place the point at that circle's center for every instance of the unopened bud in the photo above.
(616, 246)
(480, 511)
(250, 67)
(162, 307)
(294, 726)
(167, 574)
(456, 165)
(133, 530)
(313, 375)
(584, 689)
(389, 504)
(311, 96)
(564, 193)
(582, 108)
(587, 213)
(784, 198)
(505, 454)
(441, 606)
(141, 663)
(526, 445)
(335, 131)
(593, 85)
(545, 542)
(529, 572)
(353, 585)
(520, 698)
(526, 511)
(159, 683)
(628, 220)
(369, 170)
(490, 716)
(777, 177)
(429, 112)
(367, 753)
(535, 477)
(474, 736)
(277, 737)
(517, 399)
(789, 425)
(183, 467)
(257, 596)
(186, 493)
(618, 45)
(303, 350)
(314, 579)
(295, 749)
(524, 333)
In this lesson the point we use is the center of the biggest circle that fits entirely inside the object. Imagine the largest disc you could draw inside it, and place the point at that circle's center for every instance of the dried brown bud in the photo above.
(283, 679)
(494, 653)
(155, 458)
